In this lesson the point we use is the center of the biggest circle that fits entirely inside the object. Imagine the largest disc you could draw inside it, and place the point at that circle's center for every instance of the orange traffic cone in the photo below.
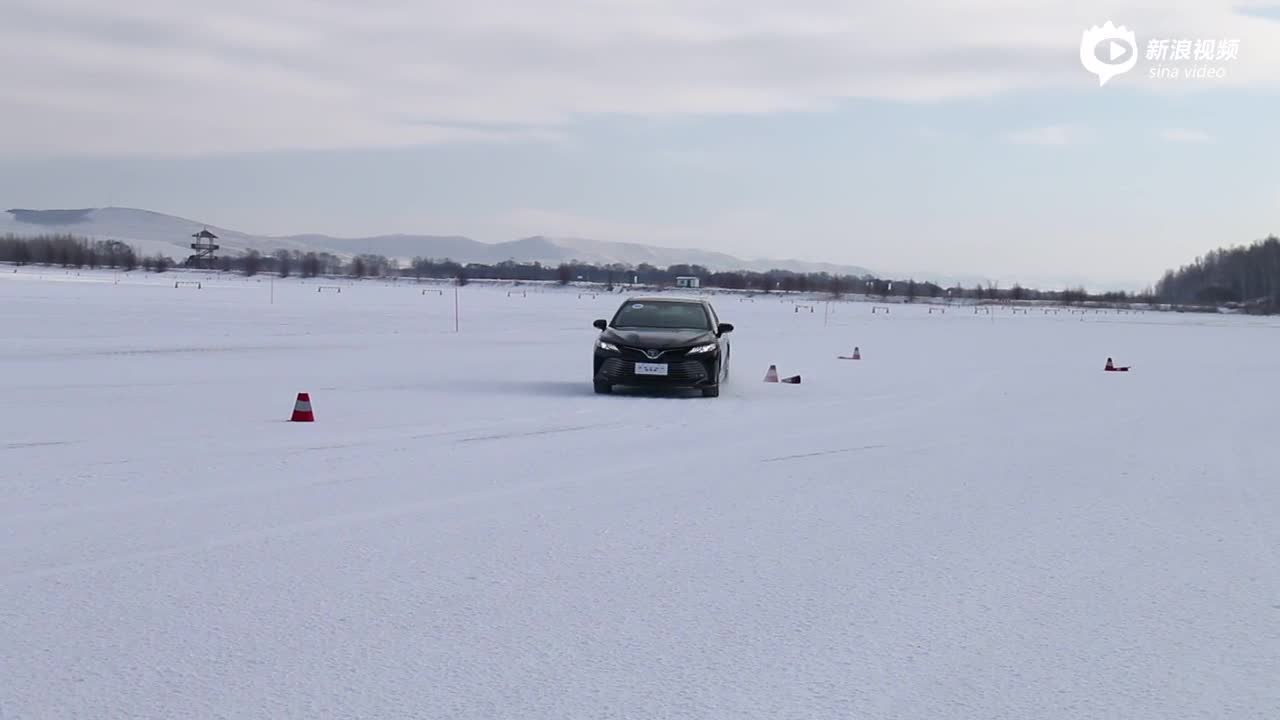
(793, 380)
(857, 355)
(302, 409)
(772, 375)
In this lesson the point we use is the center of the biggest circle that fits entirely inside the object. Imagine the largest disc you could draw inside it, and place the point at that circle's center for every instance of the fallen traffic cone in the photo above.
(857, 355)
(793, 380)
(302, 409)
(1112, 368)
(772, 375)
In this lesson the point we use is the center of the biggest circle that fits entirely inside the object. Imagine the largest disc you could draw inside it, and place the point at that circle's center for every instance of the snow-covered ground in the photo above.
(974, 521)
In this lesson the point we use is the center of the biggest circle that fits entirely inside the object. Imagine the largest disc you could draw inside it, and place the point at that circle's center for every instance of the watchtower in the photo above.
(204, 247)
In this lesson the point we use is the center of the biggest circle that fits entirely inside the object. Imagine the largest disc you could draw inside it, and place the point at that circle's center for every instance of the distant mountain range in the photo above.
(156, 233)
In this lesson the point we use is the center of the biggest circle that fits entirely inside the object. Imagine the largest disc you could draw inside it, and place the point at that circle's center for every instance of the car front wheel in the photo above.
(711, 391)
(603, 388)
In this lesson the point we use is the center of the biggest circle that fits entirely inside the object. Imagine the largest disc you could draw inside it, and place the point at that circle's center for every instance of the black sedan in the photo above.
(672, 342)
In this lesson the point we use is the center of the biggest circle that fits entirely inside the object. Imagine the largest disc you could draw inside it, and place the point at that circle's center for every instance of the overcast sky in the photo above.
(907, 136)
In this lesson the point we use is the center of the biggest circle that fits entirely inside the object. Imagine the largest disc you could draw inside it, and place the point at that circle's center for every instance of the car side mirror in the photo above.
(602, 324)
(724, 328)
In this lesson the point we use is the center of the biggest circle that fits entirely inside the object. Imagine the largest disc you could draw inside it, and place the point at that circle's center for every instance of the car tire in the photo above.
(711, 391)
(603, 388)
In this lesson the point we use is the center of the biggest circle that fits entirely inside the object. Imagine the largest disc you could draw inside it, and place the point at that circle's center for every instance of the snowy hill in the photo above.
(149, 232)
(152, 232)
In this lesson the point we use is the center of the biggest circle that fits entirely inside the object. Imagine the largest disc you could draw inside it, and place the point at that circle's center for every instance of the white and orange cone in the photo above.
(302, 409)
(772, 375)
(793, 380)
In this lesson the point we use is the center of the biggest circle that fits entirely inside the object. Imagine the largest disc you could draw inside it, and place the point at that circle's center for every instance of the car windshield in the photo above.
(671, 315)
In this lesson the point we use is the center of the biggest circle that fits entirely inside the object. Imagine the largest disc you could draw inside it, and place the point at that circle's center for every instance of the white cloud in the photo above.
(935, 134)
(1049, 135)
(190, 76)
(1185, 135)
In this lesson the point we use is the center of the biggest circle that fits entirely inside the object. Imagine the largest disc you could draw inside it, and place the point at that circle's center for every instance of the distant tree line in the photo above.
(286, 263)
(67, 251)
(70, 251)
(783, 281)
(1247, 275)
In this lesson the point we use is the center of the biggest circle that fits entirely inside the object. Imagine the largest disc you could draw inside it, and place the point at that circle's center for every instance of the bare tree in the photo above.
(284, 262)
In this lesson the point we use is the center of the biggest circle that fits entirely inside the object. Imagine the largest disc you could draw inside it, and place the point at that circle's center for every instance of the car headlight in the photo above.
(709, 347)
(606, 346)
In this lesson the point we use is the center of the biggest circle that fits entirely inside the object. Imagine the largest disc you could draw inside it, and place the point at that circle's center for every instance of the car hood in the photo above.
(657, 339)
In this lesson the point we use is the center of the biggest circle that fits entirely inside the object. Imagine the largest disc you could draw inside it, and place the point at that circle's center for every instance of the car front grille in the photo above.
(637, 355)
(619, 370)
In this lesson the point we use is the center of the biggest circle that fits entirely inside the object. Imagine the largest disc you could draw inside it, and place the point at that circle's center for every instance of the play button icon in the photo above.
(1114, 52)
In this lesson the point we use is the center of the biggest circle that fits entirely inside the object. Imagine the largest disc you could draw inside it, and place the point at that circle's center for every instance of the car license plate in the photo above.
(651, 368)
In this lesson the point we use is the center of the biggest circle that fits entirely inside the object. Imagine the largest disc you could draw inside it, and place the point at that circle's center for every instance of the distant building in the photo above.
(686, 281)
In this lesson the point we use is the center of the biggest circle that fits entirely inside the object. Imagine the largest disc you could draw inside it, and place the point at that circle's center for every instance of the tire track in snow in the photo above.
(822, 453)
(37, 444)
(535, 433)
(325, 523)
(390, 443)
